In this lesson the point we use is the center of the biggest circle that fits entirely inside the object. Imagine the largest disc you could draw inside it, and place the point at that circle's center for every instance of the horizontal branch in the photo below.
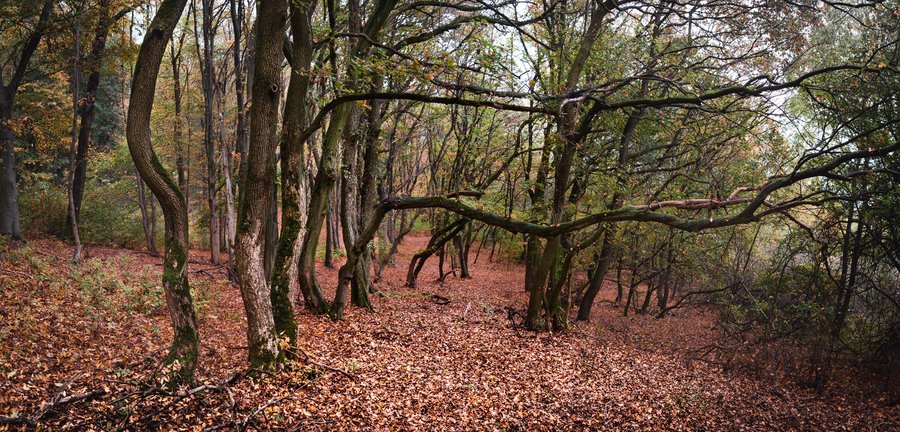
(319, 120)
(692, 204)
(638, 213)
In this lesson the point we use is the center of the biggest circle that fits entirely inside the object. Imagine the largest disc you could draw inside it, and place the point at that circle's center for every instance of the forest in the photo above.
(505, 215)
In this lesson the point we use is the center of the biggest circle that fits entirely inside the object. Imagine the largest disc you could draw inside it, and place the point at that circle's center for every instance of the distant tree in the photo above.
(15, 68)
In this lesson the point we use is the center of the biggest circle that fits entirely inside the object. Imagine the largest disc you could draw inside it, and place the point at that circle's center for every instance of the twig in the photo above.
(56, 402)
(438, 299)
(510, 315)
(178, 397)
(258, 410)
(17, 273)
(308, 359)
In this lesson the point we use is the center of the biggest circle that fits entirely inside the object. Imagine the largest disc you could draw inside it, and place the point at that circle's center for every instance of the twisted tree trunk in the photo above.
(184, 349)
(327, 173)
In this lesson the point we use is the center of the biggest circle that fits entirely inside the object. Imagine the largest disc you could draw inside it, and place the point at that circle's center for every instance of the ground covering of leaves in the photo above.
(78, 345)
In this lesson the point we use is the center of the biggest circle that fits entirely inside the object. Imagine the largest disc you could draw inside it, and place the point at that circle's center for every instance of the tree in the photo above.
(264, 352)
(87, 104)
(184, 350)
(293, 208)
(9, 196)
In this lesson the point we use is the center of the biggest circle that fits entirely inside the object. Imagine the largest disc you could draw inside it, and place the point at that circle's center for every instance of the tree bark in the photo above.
(175, 58)
(237, 24)
(73, 160)
(328, 164)
(328, 260)
(603, 260)
(349, 214)
(258, 187)
(147, 220)
(293, 200)
(437, 241)
(207, 74)
(185, 346)
(9, 193)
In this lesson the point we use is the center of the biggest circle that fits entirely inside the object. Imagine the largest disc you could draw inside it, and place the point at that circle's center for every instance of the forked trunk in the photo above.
(258, 187)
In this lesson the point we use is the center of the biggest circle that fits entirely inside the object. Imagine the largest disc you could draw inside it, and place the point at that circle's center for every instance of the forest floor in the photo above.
(78, 343)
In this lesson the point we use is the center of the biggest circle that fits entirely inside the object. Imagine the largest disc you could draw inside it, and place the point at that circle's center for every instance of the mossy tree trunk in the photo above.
(293, 203)
(328, 172)
(184, 350)
(258, 186)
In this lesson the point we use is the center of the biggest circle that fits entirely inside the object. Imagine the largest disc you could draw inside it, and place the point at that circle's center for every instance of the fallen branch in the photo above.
(439, 299)
(178, 397)
(56, 402)
(16, 273)
(511, 314)
(260, 409)
(308, 359)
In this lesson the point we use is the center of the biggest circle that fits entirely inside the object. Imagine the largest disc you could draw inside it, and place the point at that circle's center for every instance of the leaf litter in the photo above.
(78, 346)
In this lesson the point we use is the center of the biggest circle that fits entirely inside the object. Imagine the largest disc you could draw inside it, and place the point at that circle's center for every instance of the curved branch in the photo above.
(319, 120)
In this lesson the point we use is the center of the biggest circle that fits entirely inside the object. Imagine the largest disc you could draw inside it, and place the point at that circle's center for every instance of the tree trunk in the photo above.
(293, 201)
(367, 192)
(619, 287)
(237, 20)
(175, 58)
(662, 293)
(849, 270)
(349, 214)
(9, 193)
(89, 99)
(185, 345)
(603, 260)
(462, 250)
(631, 290)
(651, 287)
(271, 233)
(9, 196)
(436, 243)
(327, 173)
(258, 187)
(73, 160)
(207, 72)
(328, 260)
(146, 218)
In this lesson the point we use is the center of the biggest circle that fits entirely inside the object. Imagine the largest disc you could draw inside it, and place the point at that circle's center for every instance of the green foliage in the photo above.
(144, 296)
(44, 209)
(109, 213)
(96, 284)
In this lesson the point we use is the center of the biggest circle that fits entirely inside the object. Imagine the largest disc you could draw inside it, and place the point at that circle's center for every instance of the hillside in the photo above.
(78, 345)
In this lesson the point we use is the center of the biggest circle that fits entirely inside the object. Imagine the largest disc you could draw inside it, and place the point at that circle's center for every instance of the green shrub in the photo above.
(110, 215)
(43, 209)
(97, 284)
(144, 296)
